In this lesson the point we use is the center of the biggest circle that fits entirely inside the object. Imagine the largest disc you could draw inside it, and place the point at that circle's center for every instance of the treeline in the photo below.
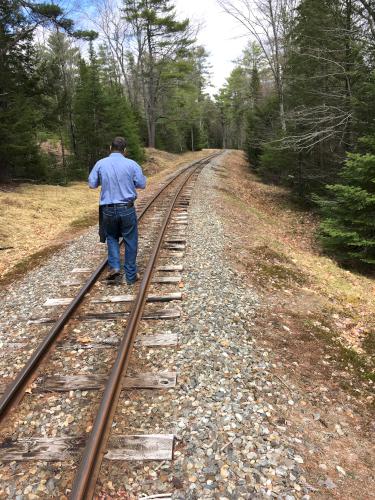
(138, 73)
(301, 101)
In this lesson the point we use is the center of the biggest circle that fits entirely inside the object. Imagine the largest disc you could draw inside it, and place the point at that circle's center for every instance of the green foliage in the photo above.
(60, 111)
(274, 165)
(348, 227)
(261, 127)
(181, 126)
(18, 114)
(324, 72)
(101, 112)
(89, 115)
(163, 44)
(241, 106)
(21, 89)
(120, 121)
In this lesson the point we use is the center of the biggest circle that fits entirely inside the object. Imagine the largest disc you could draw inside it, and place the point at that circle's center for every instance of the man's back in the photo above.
(119, 178)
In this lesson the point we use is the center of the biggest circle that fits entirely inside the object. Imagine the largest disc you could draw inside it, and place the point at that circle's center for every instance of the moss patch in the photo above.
(362, 365)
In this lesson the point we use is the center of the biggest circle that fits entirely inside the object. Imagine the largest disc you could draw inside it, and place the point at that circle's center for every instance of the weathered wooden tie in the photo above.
(59, 301)
(134, 447)
(167, 279)
(111, 316)
(174, 246)
(129, 298)
(157, 340)
(171, 267)
(63, 301)
(157, 315)
(66, 383)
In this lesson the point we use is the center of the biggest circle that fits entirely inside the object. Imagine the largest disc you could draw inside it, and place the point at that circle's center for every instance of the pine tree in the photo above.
(20, 91)
(321, 75)
(348, 228)
(18, 114)
(161, 40)
(89, 115)
(120, 121)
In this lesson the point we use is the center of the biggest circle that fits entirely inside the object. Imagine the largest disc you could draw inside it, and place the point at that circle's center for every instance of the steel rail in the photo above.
(85, 480)
(14, 390)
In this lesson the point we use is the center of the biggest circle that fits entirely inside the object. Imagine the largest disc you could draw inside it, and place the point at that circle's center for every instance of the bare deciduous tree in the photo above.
(115, 32)
(160, 41)
(266, 21)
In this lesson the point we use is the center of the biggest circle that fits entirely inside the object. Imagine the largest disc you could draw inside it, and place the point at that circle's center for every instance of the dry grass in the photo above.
(35, 216)
(37, 219)
(290, 233)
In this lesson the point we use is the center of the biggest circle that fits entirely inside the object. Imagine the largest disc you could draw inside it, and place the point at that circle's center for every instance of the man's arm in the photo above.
(139, 179)
(94, 177)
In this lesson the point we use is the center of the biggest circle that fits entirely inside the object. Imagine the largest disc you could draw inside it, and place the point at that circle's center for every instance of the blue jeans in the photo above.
(117, 222)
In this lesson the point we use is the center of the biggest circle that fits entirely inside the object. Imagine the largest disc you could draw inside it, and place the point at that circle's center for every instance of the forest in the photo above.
(300, 101)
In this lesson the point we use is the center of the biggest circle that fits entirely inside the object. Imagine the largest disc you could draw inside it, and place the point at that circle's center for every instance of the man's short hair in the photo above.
(119, 143)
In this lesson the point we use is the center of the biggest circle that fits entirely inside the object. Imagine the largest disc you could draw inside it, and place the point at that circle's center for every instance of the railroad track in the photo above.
(165, 216)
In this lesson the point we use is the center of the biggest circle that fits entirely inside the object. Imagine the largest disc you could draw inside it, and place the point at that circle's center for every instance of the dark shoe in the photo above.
(113, 275)
(137, 278)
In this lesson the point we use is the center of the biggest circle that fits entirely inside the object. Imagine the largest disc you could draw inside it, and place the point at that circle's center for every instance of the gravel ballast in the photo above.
(234, 446)
(231, 442)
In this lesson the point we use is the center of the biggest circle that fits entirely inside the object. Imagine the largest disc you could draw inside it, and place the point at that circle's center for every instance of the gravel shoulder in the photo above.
(316, 319)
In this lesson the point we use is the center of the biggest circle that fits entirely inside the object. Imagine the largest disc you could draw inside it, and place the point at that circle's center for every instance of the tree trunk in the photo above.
(151, 124)
(282, 111)
(348, 64)
(72, 133)
(152, 136)
(63, 157)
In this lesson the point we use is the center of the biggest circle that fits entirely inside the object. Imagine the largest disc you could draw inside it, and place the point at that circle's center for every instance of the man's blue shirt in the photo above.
(119, 178)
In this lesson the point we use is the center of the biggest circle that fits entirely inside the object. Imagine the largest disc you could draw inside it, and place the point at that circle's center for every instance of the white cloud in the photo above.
(220, 35)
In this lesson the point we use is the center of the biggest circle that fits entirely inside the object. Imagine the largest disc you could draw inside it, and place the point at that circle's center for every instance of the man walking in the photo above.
(119, 178)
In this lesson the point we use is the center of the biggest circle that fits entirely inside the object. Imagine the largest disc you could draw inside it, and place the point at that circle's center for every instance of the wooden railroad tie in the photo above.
(52, 449)
(157, 340)
(160, 314)
(64, 301)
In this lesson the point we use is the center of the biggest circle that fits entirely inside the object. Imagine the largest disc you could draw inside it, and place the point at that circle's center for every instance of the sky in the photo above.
(219, 34)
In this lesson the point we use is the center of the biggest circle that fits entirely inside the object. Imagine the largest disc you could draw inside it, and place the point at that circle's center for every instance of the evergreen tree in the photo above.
(58, 70)
(162, 39)
(18, 115)
(19, 86)
(120, 121)
(322, 73)
(348, 228)
(89, 115)
(101, 112)
(181, 106)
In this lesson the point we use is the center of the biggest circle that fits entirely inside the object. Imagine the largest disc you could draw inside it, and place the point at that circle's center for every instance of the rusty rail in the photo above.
(14, 391)
(86, 477)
